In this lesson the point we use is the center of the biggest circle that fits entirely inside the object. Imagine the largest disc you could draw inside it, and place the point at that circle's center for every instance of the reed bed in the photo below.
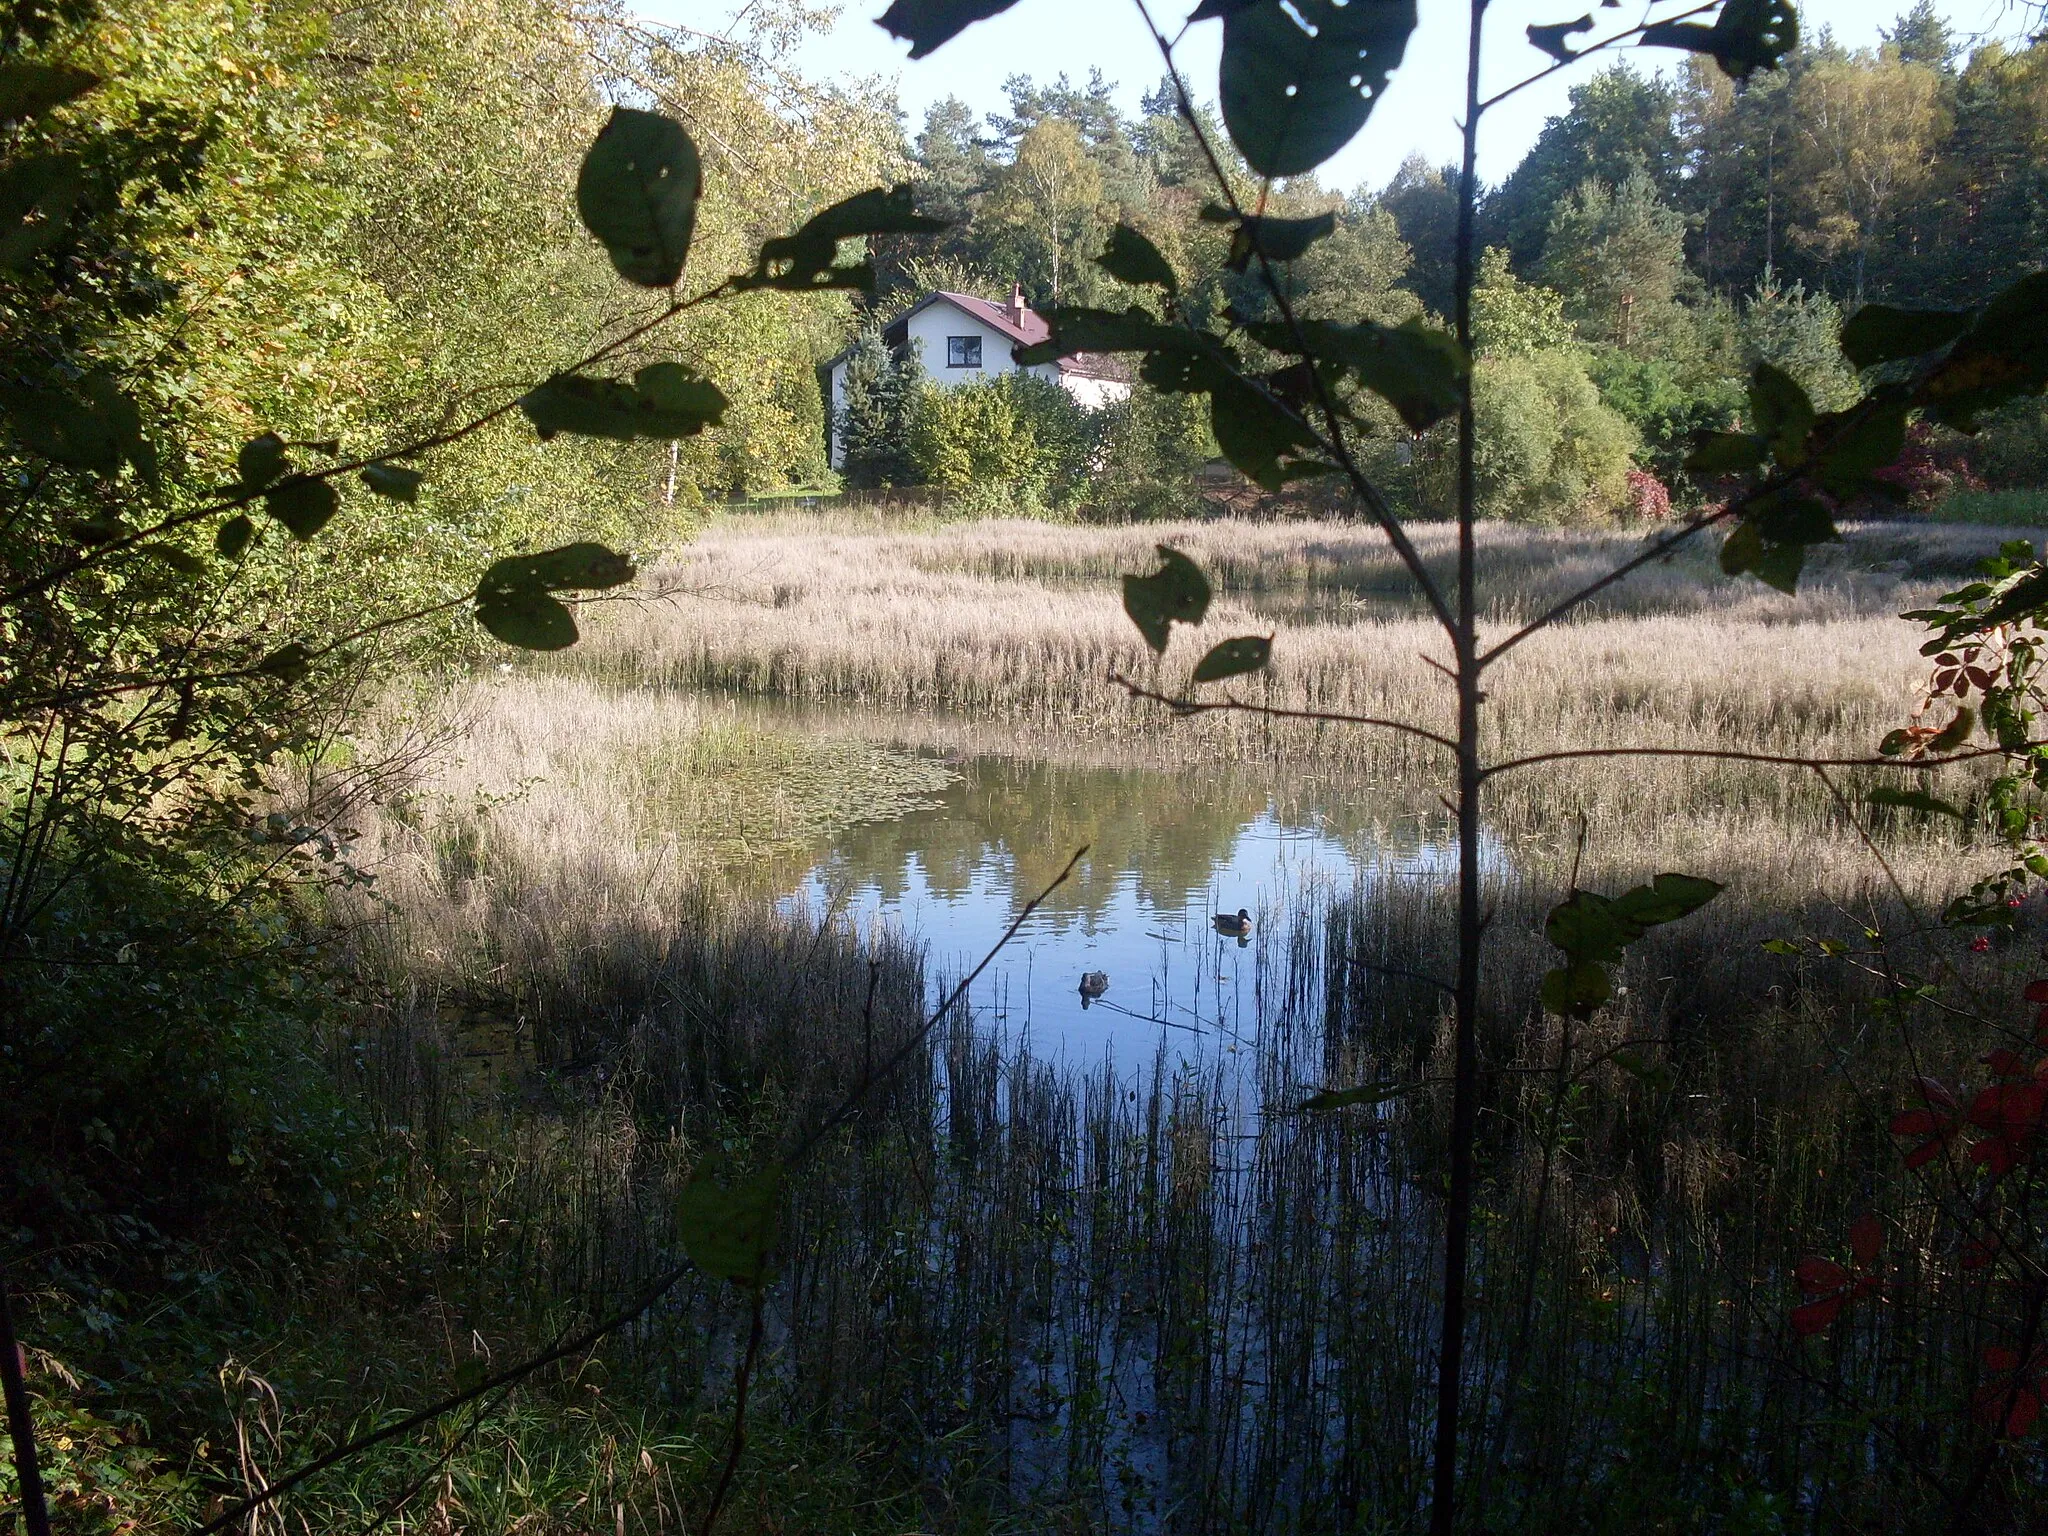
(1150, 1297)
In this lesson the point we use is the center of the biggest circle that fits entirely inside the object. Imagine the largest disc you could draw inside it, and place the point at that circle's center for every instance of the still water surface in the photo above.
(1169, 852)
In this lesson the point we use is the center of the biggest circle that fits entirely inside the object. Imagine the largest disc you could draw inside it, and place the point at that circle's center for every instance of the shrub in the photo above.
(1550, 451)
(1015, 429)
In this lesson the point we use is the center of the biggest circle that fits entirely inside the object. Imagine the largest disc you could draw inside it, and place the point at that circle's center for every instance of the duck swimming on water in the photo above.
(1093, 985)
(1238, 927)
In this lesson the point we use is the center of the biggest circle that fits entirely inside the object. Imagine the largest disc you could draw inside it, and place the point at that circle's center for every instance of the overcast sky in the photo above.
(1042, 38)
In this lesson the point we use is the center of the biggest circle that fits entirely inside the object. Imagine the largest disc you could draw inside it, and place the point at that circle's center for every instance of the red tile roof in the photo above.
(1088, 365)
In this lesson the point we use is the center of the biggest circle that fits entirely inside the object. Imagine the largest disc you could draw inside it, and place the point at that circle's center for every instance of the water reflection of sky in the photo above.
(1168, 853)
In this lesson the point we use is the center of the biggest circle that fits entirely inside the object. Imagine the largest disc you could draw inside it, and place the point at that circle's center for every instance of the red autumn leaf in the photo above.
(1866, 1236)
(2009, 1108)
(1997, 1155)
(1917, 1122)
(1817, 1274)
(1977, 676)
(2037, 991)
(2005, 1063)
(1998, 1358)
(1978, 1252)
(1926, 1152)
(1816, 1315)
(2018, 1404)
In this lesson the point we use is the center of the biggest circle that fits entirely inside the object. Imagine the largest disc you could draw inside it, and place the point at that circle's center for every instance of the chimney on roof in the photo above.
(1017, 305)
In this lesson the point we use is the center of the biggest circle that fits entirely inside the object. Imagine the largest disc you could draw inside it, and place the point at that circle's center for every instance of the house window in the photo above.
(963, 351)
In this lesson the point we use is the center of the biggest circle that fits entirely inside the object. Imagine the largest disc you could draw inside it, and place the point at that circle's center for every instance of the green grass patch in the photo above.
(1996, 509)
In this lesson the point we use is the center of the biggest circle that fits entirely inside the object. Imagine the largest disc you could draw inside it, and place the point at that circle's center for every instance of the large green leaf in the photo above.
(1595, 932)
(531, 620)
(2004, 356)
(1274, 238)
(1074, 329)
(1747, 36)
(1234, 658)
(234, 537)
(393, 480)
(1868, 439)
(1415, 367)
(1131, 258)
(1299, 78)
(1783, 412)
(637, 193)
(1771, 542)
(925, 24)
(1177, 592)
(514, 598)
(573, 566)
(37, 194)
(29, 90)
(664, 400)
(1256, 433)
(727, 1226)
(261, 460)
(1878, 333)
(802, 262)
(302, 505)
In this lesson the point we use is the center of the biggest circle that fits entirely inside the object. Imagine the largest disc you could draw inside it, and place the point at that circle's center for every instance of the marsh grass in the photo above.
(1147, 1296)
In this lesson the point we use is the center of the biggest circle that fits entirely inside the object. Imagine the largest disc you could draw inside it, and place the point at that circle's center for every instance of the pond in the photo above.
(1168, 854)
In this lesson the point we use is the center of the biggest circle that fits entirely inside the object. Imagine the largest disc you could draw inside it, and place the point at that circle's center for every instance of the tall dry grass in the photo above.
(1009, 632)
(1144, 1298)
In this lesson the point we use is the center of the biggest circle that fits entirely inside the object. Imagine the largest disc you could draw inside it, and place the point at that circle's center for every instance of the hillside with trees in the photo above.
(1660, 239)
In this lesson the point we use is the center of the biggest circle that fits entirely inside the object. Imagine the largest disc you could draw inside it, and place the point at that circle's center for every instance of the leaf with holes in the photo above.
(1747, 36)
(1871, 438)
(1131, 258)
(637, 193)
(663, 401)
(1274, 238)
(727, 1225)
(802, 262)
(1176, 593)
(302, 505)
(581, 565)
(1234, 658)
(1415, 367)
(1298, 80)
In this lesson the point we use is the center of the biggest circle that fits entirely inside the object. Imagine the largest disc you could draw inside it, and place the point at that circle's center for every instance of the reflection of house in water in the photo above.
(961, 339)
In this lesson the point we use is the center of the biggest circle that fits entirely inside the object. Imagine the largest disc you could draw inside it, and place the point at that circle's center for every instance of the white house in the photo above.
(960, 339)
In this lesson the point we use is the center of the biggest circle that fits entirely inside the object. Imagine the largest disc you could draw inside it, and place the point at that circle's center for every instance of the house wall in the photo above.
(930, 327)
(927, 331)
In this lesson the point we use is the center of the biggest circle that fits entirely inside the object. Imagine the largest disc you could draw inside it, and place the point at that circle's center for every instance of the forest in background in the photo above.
(1660, 239)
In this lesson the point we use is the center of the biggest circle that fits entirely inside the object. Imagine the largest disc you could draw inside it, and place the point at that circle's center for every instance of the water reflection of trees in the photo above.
(1017, 821)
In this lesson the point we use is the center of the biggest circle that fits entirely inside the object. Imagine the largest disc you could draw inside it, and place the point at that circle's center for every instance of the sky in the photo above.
(1042, 38)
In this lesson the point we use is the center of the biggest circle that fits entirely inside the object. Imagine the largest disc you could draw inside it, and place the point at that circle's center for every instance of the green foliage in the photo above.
(727, 1224)
(1594, 932)
(873, 426)
(1015, 428)
(1511, 318)
(1549, 449)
